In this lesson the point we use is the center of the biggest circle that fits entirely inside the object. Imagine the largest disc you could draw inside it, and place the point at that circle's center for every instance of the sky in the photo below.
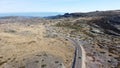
(8, 6)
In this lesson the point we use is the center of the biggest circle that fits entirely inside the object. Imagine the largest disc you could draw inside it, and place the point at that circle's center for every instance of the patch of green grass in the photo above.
(22, 67)
(10, 31)
(36, 61)
(43, 65)
(56, 61)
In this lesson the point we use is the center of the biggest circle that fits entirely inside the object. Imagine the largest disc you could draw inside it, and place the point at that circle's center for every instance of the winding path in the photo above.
(80, 55)
(79, 58)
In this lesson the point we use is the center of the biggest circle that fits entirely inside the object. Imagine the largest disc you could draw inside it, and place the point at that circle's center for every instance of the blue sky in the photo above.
(57, 5)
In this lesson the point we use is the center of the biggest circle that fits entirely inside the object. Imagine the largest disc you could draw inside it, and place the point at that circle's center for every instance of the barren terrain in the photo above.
(72, 40)
(22, 45)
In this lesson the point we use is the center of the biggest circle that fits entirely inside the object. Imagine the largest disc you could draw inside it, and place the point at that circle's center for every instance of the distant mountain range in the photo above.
(88, 14)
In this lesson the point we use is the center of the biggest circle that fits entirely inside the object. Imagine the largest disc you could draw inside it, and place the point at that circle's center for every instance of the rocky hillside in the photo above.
(101, 33)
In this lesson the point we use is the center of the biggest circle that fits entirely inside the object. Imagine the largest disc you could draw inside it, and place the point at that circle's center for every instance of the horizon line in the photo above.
(61, 12)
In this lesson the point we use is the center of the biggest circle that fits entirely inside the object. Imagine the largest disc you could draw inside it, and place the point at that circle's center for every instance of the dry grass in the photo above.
(30, 40)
